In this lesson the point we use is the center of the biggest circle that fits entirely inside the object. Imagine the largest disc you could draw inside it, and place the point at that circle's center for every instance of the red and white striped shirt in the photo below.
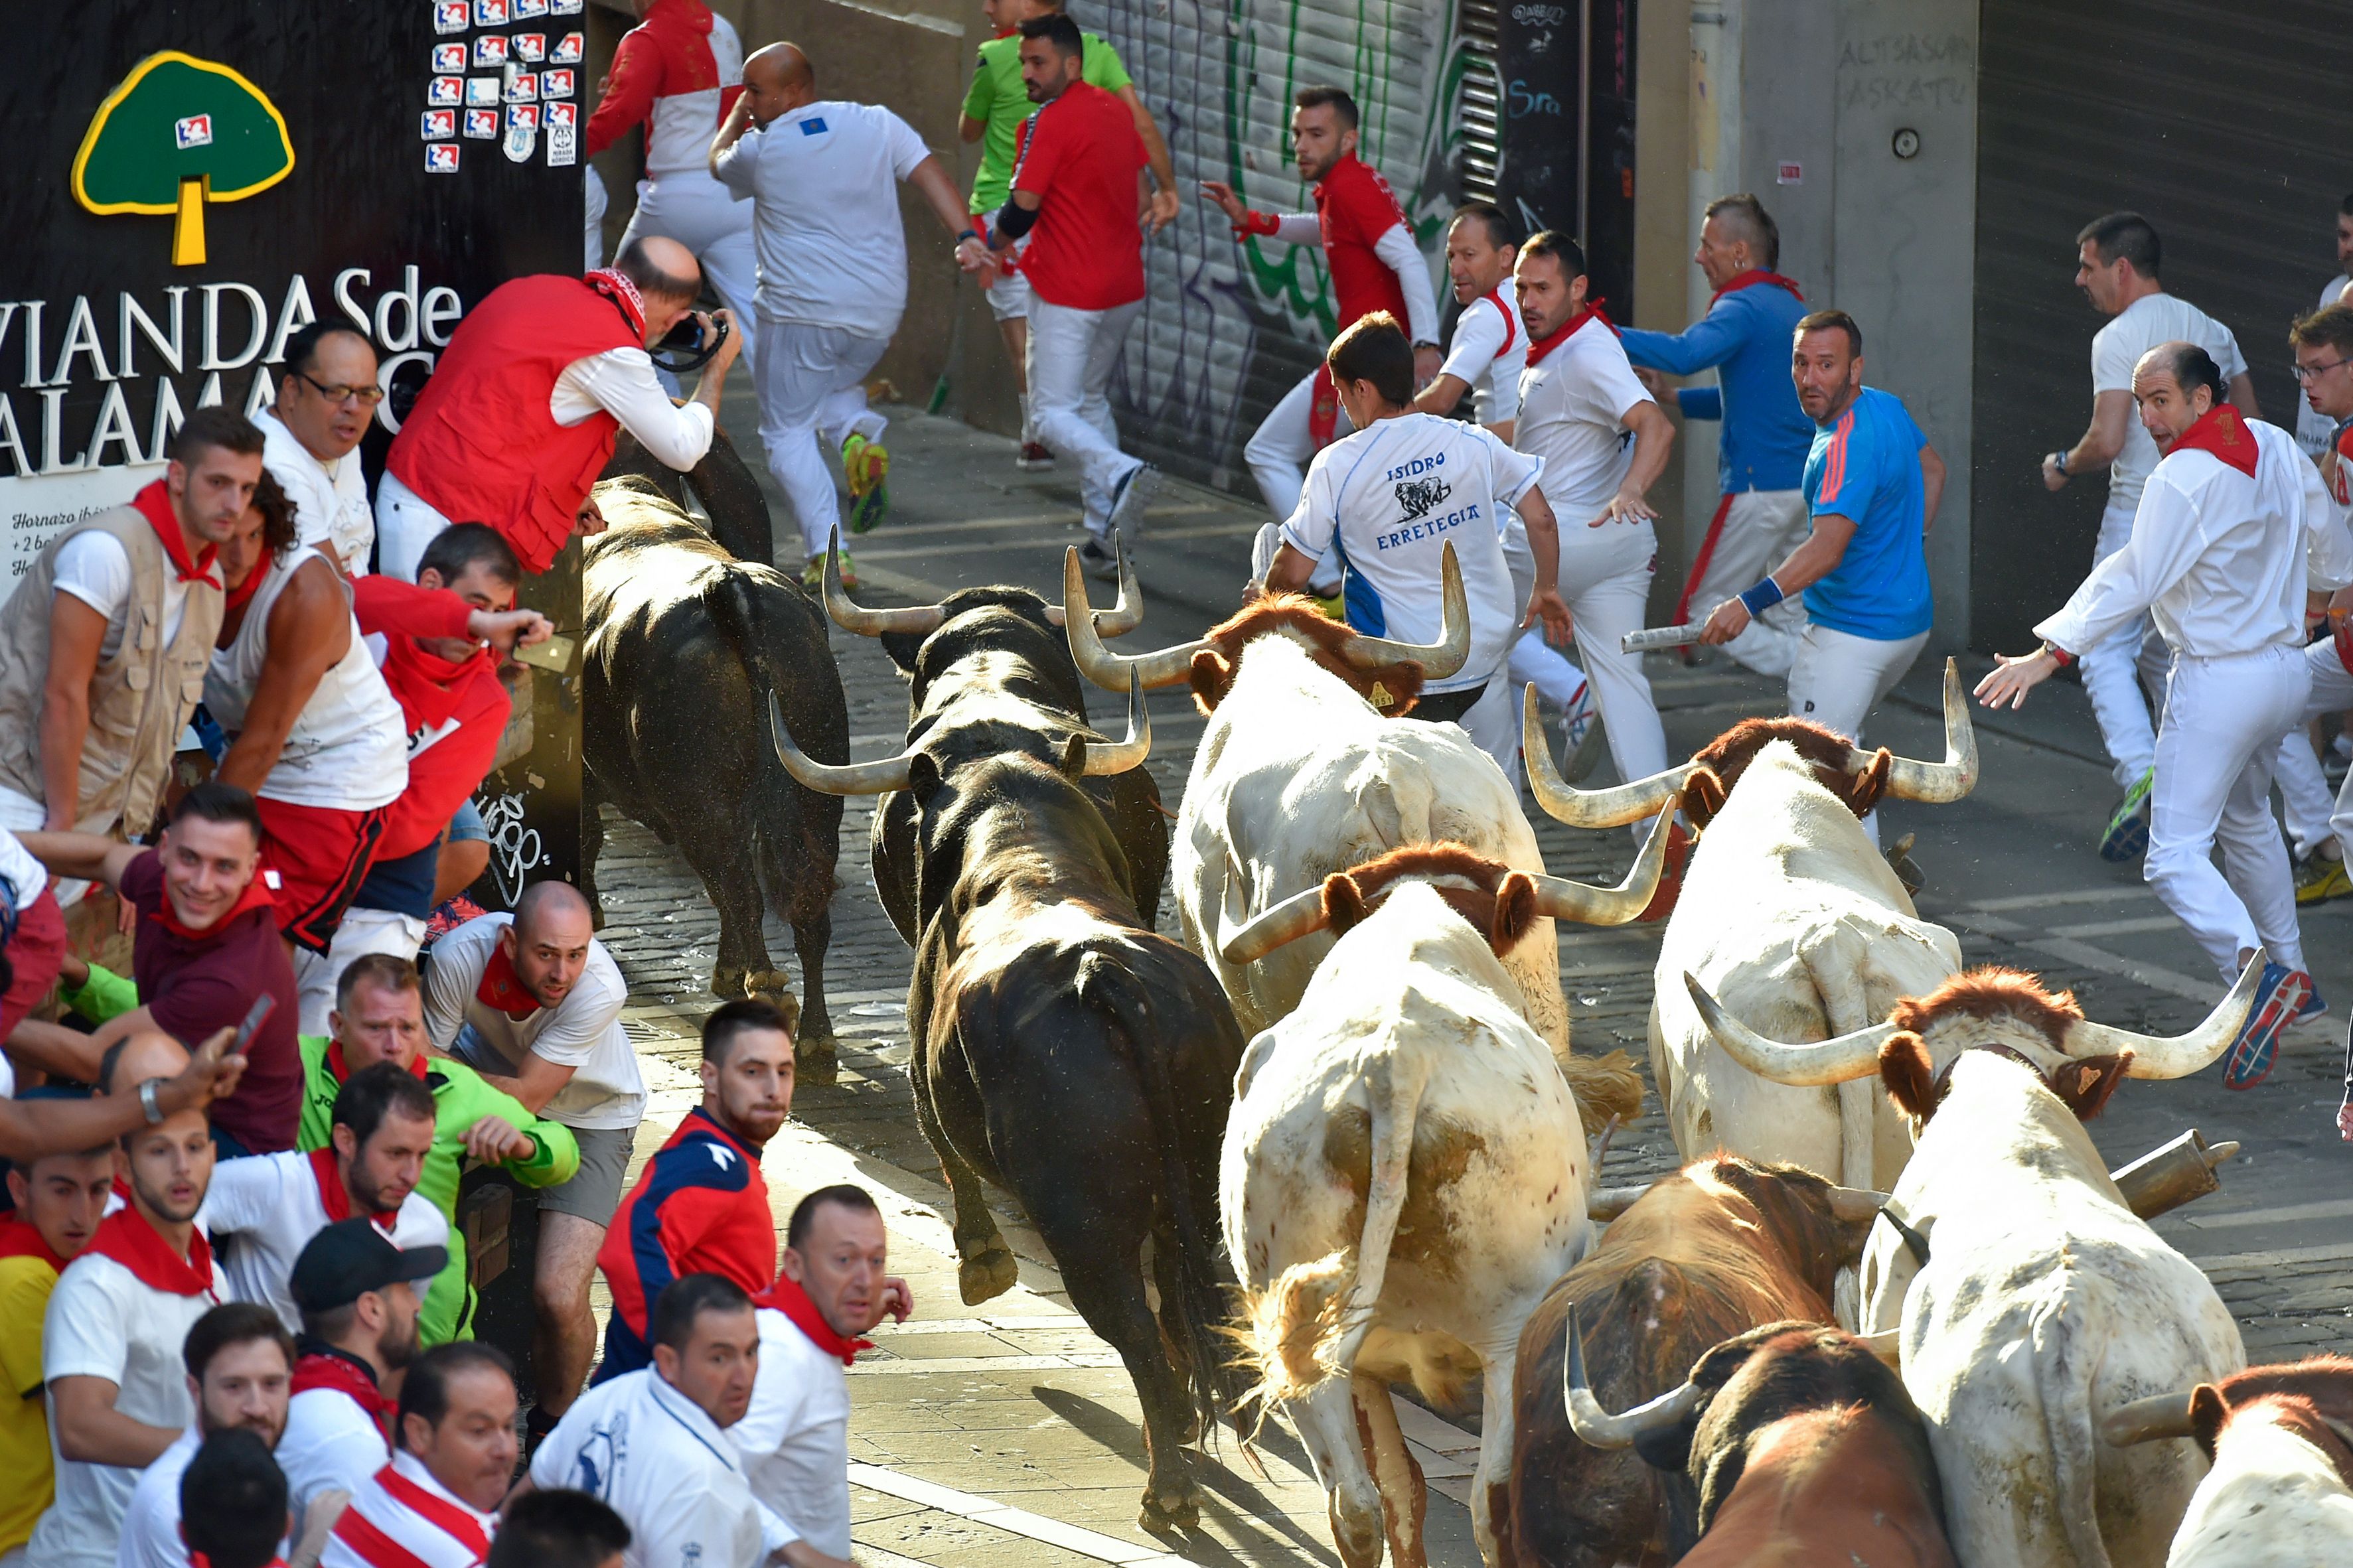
(405, 1519)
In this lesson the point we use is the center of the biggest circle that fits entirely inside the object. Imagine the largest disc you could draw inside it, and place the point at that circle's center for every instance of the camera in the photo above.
(686, 346)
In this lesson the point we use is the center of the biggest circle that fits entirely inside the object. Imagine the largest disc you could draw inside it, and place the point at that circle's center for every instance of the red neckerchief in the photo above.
(788, 1296)
(328, 1367)
(1496, 297)
(337, 1197)
(127, 1237)
(428, 686)
(620, 288)
(1539, 348)
(256, 896)
(154, 504)
(1754, 275)
(2222, 431)
(502, 987)
(241, 593)
(19, 1238)
(336, 1065)
(445, 1516)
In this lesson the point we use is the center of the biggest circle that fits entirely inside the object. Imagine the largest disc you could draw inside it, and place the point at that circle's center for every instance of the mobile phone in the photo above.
(255, 1016)
(554, 654)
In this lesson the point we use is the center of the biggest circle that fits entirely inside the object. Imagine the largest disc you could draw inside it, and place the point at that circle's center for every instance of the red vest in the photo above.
(480, 446)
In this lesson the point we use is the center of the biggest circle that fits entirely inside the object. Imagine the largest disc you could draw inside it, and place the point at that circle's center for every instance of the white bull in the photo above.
(2044, 1305)
(1404, 1174)
(1788, 914)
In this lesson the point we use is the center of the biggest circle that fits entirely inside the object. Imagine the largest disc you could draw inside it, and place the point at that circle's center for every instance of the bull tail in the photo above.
(2063, 1350)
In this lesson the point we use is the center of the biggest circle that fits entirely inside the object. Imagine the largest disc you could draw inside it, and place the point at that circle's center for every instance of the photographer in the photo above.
(524, 407)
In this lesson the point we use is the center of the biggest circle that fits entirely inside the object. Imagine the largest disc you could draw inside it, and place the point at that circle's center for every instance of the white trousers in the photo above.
(1070, 359)
(404, 525)
(594, 211)
(1837, 679)
(363, 932)
(696, 210)
(2332, 692)
(812, 383)
(2305, 802)
(2115, 669)
(2221, 733)
(1605, 578)
(1760, 530)
(1284, 444)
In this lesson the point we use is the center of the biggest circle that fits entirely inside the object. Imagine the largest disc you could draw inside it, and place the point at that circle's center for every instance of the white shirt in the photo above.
(653, 1456)
(1574, 403)
(26, 875)
(2218, 559)
(823, 184)
(1395, 247)
(150, 1525)
(622, 382)
(401, 1501)
(582, 1032)
(104, 1323)
(794, 1439)
(1491, 350)
(331, 499)
(261, 1212)
(2314, 431)
(1393, 497)
(331, 1445)
(348, 750)
(2152, 319)
(95, 568)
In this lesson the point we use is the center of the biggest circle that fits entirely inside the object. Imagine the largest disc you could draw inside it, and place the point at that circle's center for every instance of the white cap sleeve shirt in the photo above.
(582, 1032)
(331, 499)
(1573, 409)
(2152, 319)
(1389, 499)
(1490, 350)
(651, 1455)
(795, 1437)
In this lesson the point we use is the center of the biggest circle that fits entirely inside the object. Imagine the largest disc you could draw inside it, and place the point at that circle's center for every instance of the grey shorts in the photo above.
(594, 1190)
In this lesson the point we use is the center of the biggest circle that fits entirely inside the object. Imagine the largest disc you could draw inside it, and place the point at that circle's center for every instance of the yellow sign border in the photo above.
(138, 74)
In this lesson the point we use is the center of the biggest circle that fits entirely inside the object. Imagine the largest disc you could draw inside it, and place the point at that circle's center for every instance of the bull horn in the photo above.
(1564, 899)
(1122, 617)
(1839, 1060)
(1595, 1426)
(1938, 782)
(1887, 1344)
(1612, 807)
(1851, 1204)
(1438, 659)
(2174, 1055)
(1301, 914)
(1606, 1204)
(825, 778)
(2148, 1420)
(919, 619)
(1110, 670)
(1103, 758)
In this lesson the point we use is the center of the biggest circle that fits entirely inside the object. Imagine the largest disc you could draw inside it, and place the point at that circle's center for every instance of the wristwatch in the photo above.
(2059, 461)
(147, 1102)
(1421, 344)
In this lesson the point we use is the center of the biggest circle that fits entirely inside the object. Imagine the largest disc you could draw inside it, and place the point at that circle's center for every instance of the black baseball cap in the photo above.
(352, 1257)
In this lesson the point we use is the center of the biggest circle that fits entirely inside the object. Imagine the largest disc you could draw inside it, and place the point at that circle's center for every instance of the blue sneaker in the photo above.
(2313, 1007)
(1578, 718)
(2278, 1000)
(2126, 837)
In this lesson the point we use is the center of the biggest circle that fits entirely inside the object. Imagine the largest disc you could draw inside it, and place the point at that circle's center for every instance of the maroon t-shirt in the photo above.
(194, 985)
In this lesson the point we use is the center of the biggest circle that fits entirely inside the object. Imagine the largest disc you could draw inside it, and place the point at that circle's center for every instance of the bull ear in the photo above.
(1343, 903)
(923, 778)
(1515, 910)
(1909, 1076)
(1861, 790)
(1074, 757)
(902, 648)
(1212, 676)
(2085, 1082)
(2206, 1413)
(1703, 797)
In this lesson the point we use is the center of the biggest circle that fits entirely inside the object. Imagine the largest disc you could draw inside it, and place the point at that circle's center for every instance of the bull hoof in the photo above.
(987, 1277)
(1173, 1517)
(814, 1061)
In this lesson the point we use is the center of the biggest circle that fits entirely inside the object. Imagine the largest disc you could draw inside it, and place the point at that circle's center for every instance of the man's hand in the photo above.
(729, 347)
(494, 1141)
(1625, 506)
(2011, 679)
(590, 521)
(1161, 211)
(73, 973)
(976, 258)
(1222, 195)
(2345, 1118)
(2054, 478)
(1656, 382)
(1725, 622)
(1547, 604)
(1426, 359)
(898, 1302)
(506, 630)
(211, 1074)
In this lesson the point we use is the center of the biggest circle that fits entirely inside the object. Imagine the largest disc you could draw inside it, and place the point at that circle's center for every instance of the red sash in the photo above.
(1496, 297)
(620, 288)
(502, 987)
(788, 1296)
(19, 1238)
(428, 686)
(337, 1066)
(126, 1236)
(256, 896)
(336, 1197)
(345, 1377)
(154, 504)
(2222, 431)
(1753, 277)
(1539, 348)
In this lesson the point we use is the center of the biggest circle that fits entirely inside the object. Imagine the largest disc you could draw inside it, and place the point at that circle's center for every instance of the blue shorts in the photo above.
(468, 826)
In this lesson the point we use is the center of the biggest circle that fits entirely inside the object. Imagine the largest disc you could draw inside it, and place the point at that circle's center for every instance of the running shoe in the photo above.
(2255, 1052)
(868, 467)
(1099, 560)
(2313, 1007)
(813, 575)
(2126, 837)
(1578, 716)
(1127, 499)
(1333, 606)
(2318, 879)
(1033, 456)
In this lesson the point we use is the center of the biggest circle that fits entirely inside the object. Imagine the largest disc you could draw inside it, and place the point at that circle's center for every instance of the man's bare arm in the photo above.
(309, 630)
(89, 856)
(1932, 485)
(540, 1081)
(930, 178)
(90, 1430)
(76, 632)
(2111, 414)
(1162, 204)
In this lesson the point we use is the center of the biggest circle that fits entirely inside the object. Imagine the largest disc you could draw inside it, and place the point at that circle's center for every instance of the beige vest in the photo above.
(138, 699)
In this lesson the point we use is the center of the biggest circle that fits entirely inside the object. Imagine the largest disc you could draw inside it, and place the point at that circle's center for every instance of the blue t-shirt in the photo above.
(1865, 467)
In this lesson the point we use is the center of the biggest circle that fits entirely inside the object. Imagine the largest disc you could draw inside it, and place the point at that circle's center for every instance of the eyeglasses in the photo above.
(2305, 375)
(365, 396)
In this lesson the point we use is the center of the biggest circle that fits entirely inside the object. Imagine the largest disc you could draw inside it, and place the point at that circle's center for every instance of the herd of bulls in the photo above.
(1894, 1310)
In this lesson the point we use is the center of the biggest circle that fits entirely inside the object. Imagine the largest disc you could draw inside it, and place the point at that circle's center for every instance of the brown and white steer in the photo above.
(1404, 1173)
(2045, 1303)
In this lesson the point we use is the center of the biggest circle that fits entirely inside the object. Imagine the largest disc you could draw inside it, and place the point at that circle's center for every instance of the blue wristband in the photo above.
(1763, 596)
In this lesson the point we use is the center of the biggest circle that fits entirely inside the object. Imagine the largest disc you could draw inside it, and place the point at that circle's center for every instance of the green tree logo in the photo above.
(179, 133)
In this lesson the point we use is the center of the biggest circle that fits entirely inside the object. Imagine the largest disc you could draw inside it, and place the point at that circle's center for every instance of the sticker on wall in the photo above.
(558, 83)
(482, 89)
(448, 59)
(447, 91)
(490, 50)
(520, 139)
(566, 115)
(525, 10)
(449, 15)
(490, 13)
(441, 157)
(531, 47)
(568, 49)
(440, 124)
(524, 114)
(563, 145)
(523, 86)
(177, 133)
(483, 124)
(563, 7)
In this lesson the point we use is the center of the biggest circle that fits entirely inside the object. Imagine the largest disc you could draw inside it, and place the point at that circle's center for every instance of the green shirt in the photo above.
(999, 99)
(461, 1098)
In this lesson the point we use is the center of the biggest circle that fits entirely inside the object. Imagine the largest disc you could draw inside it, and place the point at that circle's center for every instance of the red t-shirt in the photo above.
(1356, 207)
(1080, 154)
(193, 985)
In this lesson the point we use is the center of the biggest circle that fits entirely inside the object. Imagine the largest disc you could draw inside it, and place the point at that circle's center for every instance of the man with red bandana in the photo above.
(1369, 249)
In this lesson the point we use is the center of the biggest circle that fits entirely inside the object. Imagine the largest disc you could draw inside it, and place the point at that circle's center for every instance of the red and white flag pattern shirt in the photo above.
(405, 1519)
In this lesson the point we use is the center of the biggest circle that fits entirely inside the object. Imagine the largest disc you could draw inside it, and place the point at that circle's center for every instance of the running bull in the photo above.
(683, 640)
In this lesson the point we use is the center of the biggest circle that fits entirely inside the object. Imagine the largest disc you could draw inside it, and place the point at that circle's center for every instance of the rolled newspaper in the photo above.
(1660, 637)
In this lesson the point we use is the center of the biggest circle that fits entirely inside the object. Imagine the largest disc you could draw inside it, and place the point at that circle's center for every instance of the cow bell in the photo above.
(2165, 1178)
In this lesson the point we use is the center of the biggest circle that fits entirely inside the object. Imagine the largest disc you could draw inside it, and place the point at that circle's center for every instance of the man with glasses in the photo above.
(310, 440)
(2314, 431)
(2324, 369)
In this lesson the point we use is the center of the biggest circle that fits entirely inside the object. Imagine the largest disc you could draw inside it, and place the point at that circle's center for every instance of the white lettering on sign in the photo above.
(1790, 174)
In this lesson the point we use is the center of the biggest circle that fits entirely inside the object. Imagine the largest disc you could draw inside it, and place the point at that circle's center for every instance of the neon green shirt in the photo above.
(999, 99)
(461, 1098)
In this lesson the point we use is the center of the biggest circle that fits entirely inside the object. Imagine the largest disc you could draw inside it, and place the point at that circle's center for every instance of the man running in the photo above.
(992, 111)
(2230, 521)
(2324, 367)
(1762, 452)
(1074, 192)
(1369, 250)
(822, 178)
(1872, 483)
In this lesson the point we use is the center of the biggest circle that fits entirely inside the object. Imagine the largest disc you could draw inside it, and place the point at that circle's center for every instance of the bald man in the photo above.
(822, 177)
(532, 1003)
(526, 403)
